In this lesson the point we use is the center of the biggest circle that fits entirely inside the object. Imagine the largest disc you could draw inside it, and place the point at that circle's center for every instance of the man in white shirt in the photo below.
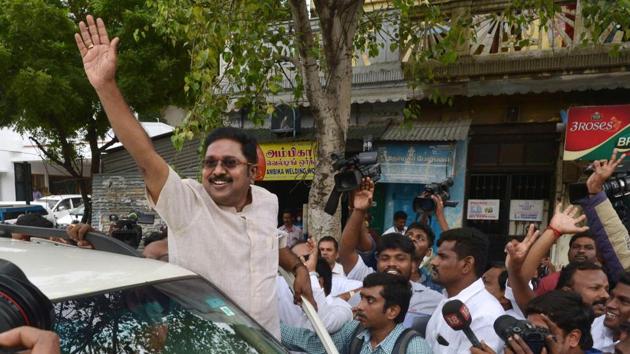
(458, 266)
(606, 329)
(294, 233)
(394, 256)
(225, 219)
(400, 223)
(329, 250)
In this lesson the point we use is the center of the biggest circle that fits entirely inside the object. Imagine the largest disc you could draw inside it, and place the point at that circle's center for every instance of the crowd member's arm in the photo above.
(302, 284)
(516, 255)
(353, 230)
(605, 223)
(439, 212)
(563, 222)
(99, 61)
(37, 340)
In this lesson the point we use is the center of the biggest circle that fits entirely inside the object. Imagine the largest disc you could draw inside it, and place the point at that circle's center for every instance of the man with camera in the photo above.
(225, 219)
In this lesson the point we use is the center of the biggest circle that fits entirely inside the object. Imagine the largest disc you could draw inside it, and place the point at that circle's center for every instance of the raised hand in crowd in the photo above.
(36, 340)
(98, 53)
(353, 232)
(439, 211)
(602, 170)
(311, 262)
(516, 255)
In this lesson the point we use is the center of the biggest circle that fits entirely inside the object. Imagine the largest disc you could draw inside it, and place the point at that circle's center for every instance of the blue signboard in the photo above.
(416, 163)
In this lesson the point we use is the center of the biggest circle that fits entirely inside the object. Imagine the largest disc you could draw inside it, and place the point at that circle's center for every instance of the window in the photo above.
(182, 316)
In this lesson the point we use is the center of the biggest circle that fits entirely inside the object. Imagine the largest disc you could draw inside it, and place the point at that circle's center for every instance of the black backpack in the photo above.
(401, 342)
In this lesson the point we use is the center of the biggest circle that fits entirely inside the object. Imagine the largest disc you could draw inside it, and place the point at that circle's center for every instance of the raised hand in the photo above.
(565, 221)
(517, 251)
(98, 53)
(362, 199)
(602, 171)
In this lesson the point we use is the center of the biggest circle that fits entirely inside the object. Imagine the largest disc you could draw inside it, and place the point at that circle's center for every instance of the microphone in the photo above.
(457, 316)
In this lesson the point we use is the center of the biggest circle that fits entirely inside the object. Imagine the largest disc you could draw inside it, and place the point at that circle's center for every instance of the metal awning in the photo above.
(428, 131)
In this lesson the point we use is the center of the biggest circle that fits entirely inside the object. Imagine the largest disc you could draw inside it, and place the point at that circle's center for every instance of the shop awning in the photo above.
(428, 131)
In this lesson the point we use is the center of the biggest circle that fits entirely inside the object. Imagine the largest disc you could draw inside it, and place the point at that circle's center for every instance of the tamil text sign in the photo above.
(592, 132)
(286, 161)
(416, 163)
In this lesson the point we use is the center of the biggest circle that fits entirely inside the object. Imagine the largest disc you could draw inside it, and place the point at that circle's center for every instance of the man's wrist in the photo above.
(296, 267)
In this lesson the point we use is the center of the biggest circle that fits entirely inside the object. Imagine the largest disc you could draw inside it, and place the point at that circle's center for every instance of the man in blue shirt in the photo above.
(384, 303)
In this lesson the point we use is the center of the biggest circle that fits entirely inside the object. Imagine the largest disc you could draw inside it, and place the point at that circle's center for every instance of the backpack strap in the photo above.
(402, 342)
(356, 343)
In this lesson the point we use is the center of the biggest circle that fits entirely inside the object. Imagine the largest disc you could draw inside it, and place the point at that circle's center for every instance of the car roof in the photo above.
(60, 196)
(61, 271)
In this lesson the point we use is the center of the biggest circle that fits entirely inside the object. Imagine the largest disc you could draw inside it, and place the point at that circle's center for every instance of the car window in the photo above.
(183, 316)
(64, 205)
(51, 203)
(76, 202)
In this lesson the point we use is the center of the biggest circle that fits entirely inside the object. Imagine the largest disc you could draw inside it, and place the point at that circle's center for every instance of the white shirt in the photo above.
(484, 310)
(393, 229)
(333, 312)
(602, 336)
(338, 269)
(515, 311)
(293, 235)
(237, 251)
(423, 300)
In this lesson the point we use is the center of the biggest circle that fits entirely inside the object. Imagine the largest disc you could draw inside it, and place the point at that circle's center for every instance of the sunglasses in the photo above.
(227, 162)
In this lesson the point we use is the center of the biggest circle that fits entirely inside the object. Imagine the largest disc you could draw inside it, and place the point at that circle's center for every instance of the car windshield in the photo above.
(51, 203)
(180, 316)
(78, 210)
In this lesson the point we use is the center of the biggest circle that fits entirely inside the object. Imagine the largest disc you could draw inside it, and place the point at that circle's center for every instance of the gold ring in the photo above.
(90, 46)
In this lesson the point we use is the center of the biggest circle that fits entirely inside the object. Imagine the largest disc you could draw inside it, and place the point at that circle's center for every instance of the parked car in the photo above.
(74, 216)
(59, 205)
(10, 211)
(113, 303)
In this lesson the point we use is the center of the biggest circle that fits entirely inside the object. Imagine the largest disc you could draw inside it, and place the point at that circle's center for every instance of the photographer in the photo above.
(603, 220)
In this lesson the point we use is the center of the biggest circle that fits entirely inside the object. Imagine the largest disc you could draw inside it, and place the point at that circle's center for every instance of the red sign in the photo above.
(593, 132)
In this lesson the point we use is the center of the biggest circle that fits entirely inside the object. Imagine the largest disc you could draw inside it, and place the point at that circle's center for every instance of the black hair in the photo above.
(424, 228)
(396, 291)
(624, 278)
(503, 277)
(566, 274)
(248, 142)
(567, 311)
(323, 269)
(400, 215)
(469, 242)
(580, 235)
(329, 239)
(34, 220)
(395, 240)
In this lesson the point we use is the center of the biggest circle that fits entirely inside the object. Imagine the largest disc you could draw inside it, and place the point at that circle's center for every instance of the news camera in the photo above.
(350, 173)
(506, 326)
(126, 229)
(424, 203)
(616, 187)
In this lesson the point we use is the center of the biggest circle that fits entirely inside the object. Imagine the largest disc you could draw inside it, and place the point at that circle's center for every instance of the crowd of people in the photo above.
(384, 293)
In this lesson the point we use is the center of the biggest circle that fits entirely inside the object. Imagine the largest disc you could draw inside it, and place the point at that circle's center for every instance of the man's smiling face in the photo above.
(227, 185)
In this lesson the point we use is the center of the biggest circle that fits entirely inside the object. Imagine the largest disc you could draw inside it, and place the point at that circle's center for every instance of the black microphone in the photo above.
(457, 316)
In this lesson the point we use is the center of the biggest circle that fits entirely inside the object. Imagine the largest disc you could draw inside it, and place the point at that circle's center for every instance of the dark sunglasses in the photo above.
(227, 162)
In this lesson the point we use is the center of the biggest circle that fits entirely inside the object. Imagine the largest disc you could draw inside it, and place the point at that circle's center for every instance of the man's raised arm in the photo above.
(352, 232)
(99, 61)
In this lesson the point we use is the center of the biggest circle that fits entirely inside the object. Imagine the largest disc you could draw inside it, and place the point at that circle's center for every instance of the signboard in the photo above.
(526, 210)
(592, 132)
(286, 161)
(483, 209)
(416, 163)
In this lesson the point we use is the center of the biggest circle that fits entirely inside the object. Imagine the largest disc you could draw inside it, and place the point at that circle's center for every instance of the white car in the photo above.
(74, 216)
(113, 303)
(59, 205)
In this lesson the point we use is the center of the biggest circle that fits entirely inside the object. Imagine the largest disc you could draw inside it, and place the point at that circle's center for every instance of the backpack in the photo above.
(401, 342)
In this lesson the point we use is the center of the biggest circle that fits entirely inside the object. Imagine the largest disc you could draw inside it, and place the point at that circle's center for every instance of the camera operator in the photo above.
(37, 341)
(563, 317)
(611, 235)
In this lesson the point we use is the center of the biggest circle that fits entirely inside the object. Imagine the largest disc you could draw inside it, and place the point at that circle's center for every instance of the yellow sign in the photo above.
(286, 161)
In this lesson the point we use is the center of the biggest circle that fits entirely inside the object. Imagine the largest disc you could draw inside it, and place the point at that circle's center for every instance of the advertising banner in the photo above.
(288, 161)
(592, 132)
(416, 163)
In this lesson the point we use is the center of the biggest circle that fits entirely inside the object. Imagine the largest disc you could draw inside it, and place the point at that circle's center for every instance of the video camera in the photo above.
(424, 203)
(351, 171)
(126, 229)
(506, 326)
(616, 187)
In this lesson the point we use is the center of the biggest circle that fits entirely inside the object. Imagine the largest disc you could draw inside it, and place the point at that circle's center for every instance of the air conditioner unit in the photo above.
(285, 119)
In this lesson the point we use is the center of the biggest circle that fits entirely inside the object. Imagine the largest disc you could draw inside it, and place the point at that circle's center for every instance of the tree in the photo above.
(242, 50)
(44, 92)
